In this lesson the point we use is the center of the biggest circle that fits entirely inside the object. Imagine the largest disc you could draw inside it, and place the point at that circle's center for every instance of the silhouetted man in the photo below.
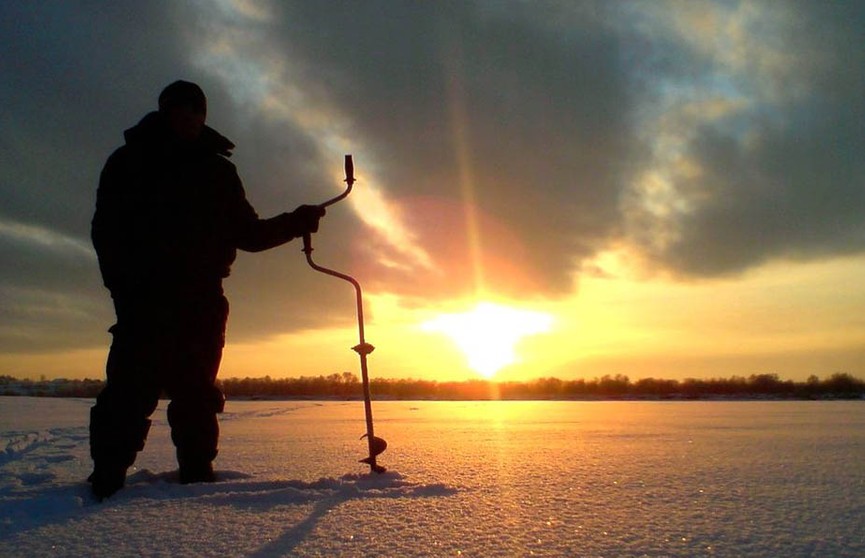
(171, 213)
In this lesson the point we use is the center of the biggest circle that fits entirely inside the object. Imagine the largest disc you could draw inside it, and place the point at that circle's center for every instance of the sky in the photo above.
(571, 189)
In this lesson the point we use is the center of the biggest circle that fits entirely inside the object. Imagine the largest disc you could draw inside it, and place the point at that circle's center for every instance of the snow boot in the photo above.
(106, 480)
(193, 472)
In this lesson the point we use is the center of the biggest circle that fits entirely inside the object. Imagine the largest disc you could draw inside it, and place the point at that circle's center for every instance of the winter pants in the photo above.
(171, 346)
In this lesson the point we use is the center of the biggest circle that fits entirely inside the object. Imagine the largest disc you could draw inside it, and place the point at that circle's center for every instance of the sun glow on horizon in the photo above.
(488, 333)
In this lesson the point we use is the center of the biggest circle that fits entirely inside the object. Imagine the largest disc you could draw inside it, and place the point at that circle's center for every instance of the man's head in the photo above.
(185, 107)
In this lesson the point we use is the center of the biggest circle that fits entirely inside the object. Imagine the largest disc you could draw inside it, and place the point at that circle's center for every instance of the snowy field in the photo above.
(465, 478)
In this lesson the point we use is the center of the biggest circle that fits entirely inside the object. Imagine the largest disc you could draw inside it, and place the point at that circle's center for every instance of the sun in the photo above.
(488, 333)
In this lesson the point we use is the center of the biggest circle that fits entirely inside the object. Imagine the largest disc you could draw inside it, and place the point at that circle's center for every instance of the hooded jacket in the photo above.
(170, 215)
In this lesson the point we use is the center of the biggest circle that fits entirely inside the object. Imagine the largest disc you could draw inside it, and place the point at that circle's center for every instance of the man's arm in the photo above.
(106, 229)
(255, 234)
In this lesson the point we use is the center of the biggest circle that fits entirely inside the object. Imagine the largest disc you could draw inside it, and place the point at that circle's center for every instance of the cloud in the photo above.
(49, 295)
(455, 109)
(499, 146)
(757, 138)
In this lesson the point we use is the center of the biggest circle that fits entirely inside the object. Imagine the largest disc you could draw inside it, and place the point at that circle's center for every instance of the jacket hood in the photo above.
(153, 130)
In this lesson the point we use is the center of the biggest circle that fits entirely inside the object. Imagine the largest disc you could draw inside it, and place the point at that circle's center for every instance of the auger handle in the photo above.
(349, 170)
(349, 179)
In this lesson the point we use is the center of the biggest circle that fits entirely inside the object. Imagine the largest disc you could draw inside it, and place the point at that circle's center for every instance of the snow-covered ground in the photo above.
(466, 478)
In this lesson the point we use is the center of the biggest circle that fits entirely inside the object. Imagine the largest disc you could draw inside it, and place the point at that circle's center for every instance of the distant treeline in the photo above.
(50, 388)
(348, 386)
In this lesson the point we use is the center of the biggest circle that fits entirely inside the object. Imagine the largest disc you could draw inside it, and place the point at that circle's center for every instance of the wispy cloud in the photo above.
(42, 237)
(251, 59)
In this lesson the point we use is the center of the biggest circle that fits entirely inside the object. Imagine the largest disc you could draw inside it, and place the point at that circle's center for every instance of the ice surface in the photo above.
(466, 478)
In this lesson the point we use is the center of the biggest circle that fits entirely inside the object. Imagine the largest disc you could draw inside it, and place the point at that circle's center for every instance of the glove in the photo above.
(305, 219)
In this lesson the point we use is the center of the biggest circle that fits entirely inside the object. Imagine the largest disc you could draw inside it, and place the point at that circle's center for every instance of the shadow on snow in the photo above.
(47, 504)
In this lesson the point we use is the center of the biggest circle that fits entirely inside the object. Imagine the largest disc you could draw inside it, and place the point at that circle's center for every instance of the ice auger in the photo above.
(376, 445)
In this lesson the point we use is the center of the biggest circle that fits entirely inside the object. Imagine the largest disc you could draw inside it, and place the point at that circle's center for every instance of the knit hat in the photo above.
(182, 93)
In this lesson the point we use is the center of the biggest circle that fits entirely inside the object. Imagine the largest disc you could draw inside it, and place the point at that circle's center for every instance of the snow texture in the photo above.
(465, 478)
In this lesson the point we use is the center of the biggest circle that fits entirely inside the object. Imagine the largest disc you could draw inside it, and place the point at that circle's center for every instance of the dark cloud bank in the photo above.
(544, 100)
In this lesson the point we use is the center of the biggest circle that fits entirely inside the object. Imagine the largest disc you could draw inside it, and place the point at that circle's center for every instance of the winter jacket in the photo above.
(170, 215)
